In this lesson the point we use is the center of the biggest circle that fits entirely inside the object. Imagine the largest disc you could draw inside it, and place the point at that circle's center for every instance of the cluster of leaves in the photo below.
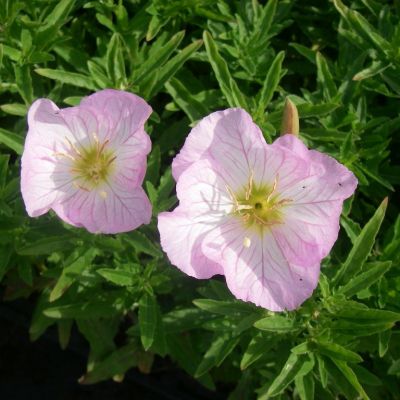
(339, 65)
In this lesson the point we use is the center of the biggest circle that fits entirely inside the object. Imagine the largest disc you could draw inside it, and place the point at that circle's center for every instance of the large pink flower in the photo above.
(262, 215)
(87, 163)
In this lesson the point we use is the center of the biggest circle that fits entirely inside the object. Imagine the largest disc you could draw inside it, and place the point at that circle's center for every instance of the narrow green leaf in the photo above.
(46, 245)
(115, 364)
(363, 281)
(224, 307)
(15, 109)
(115, 60)
(315, 110)
(12, 140)
(305, 52)
(325, 78)
(277, 324)
(174, 65)
(148, 309)
(285, 377)
(349, 374)
(384, 340)
(142, 244)
(70, 273)
(334, 350)
(271, 83)
(362, 246)
(305, 386)
(23, 80)
(64, 332)
(192, 108)
(323, 373)
(216, 354)
(228, 86)
(352, 228)
(98, 75)
(374, 69)
(69, 78)
(154, 63)
(118, 277)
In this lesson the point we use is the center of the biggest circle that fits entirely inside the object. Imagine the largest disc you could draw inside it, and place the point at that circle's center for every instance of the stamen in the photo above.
(73, 147)
(102, 147)
(250, 185)
(103, 194)
(66, 155)
(273, 188)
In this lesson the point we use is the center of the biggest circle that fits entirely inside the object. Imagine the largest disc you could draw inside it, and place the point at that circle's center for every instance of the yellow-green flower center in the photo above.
(258, 205)
(94, 166)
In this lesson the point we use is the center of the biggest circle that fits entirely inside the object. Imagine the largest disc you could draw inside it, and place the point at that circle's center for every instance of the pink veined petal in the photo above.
(181, 238)
(126, 112)
(335, 179)
(107, 209)
(43, 173)
(202, 190)
(131, 161)
(259, 273)
(224, 136)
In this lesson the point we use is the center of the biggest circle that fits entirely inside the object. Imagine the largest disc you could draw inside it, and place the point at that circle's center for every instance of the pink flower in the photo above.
(262, 215)
(87, 163)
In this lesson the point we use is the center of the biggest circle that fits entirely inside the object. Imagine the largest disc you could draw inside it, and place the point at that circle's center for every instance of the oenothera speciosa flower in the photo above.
(87, 163)
(262, 215)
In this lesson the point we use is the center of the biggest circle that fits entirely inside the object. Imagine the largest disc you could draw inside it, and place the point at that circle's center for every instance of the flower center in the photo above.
(258, 205)
(92, 165)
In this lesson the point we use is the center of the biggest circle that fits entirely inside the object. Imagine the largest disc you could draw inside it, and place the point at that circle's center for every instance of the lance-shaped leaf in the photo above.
(362, 246)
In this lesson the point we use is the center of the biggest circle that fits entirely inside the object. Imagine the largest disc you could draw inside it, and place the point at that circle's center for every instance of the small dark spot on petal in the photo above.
(303, 187)
(339, 184)
(301, 279)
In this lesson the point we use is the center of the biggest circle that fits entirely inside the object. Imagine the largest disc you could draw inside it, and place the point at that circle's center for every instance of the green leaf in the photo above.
(285, 377)
(4, 159)
(324, 77)
(23, 80)
(69, 78)
(305, 386)
(70, 273)
(228, 86)
(118, 277)
(5, 256)
(323, 373)
(148, 310)
(220, 348)
(224, 307)
(174, 65)
(362, 246)
(334, 350)
(276, 324)
(98, 75)
(54, 21)
(64, 332)
(194, 109)
(384, 340)
(158, 59)
(349, 374)
(271, 83)
(115, 60)
(15, 109)
(315, 110)
(91, 309)
(12, 140)
(352, 228)
(142, 244)
(47, 245)
(258, 346)
(117, 363)
(374, 69)
(363, 281)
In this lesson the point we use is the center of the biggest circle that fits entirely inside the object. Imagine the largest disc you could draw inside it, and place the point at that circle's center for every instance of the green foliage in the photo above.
(338, 61)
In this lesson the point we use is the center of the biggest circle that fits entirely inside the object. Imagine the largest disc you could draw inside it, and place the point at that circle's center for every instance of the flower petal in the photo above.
(256, 269)
(106, 209)
(182, 238)
(126, 112)
(224, 136)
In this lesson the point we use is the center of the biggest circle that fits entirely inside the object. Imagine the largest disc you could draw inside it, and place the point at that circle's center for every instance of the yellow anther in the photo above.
(246, 242)
(103, 194)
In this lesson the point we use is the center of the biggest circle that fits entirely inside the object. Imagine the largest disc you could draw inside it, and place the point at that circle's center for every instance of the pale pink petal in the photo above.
(126, 112)
(107, 209)
(224, 136)
(181, 238)
(202, 190)
(256, 269)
